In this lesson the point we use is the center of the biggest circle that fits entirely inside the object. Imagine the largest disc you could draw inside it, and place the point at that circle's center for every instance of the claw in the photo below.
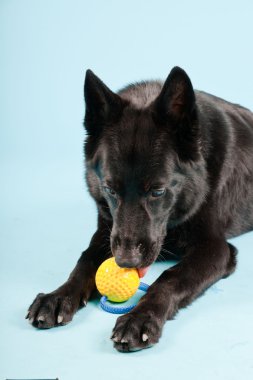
(41, 318)
(27, 314)
(115, 339)
(60, 319)
(144, 337)
(31, 320)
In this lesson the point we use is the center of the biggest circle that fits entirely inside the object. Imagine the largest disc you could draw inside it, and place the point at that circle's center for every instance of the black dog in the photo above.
(171, 169)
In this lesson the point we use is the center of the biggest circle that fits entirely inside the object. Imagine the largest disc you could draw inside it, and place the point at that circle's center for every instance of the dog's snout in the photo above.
(131, 252)
(128, 244)
(127, 252)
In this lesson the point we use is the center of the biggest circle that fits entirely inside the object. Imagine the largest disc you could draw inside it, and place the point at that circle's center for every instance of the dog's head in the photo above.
(144, 162)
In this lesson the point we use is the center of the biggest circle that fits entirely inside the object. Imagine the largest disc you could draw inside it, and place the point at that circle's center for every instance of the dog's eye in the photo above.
(157, 192)
(109, 191)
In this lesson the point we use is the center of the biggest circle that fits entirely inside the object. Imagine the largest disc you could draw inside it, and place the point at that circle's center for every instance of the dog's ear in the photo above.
(102, 105)
(175, 107)
(177, 99)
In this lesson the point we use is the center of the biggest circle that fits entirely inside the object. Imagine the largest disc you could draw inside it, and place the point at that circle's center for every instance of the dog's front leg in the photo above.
(59, 306)
(177, 287)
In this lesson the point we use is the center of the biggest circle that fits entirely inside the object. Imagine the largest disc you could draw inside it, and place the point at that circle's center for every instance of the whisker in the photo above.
(169, 252)
(161, 257)
(108, 253)
(109, 229)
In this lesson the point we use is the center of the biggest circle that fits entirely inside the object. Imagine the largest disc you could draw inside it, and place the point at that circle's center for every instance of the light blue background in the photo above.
(47, 215)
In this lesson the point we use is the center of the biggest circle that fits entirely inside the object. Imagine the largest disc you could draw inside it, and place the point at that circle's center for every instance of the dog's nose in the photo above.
(127, 261)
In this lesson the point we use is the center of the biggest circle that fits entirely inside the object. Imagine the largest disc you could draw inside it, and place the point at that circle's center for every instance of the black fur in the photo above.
(171, 170)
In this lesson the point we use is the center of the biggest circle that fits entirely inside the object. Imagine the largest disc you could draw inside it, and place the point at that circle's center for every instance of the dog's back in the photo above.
(229, 151)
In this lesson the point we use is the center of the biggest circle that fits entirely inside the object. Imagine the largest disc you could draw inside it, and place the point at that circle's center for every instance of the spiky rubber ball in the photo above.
(118, 284)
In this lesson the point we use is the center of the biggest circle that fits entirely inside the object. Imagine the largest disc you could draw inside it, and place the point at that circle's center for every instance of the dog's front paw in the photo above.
(54, 309)
(135, 331)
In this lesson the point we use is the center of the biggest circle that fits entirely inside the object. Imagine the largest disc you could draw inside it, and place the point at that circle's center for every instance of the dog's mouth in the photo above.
(136, 258)
(144, 269)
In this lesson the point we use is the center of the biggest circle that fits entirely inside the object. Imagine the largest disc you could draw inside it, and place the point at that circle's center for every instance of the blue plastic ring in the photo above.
(123, 309)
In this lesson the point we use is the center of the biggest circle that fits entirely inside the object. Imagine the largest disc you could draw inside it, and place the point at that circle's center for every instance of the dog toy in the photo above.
(117, 284)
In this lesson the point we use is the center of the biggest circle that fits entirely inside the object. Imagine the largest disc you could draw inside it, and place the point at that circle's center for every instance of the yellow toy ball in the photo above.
(118, 284)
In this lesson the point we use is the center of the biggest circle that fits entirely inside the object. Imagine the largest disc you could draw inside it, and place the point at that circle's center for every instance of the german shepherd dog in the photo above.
(171, 170)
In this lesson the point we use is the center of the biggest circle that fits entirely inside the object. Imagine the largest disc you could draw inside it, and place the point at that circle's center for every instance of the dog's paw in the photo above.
(135, 331)
(49, 310)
